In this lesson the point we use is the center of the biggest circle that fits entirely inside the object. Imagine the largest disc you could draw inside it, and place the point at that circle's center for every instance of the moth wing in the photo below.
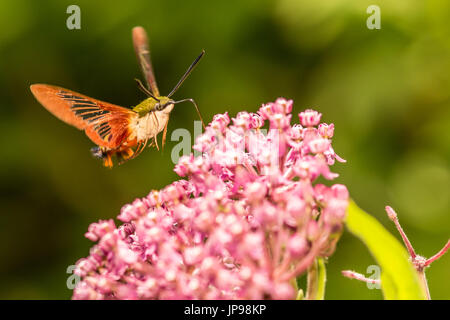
(104, 123)
(140, 43)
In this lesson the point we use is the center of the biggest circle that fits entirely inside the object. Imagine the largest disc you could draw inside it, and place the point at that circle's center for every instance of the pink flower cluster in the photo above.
(243, 224)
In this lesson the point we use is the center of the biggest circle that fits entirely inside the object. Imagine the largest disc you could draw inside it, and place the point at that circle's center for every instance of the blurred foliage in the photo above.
(387, 91)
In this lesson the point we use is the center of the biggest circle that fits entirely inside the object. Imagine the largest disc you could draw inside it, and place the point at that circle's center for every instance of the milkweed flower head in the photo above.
(246, 219)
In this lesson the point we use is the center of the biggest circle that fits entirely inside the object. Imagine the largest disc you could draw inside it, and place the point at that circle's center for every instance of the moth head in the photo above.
(165, 104)
(153, 103)
(162, 103)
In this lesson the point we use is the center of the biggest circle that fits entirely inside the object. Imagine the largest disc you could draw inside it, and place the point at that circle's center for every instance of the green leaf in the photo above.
(399, 279)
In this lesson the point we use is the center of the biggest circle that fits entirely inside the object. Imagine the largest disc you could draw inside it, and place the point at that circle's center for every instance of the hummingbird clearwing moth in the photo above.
(117, 130)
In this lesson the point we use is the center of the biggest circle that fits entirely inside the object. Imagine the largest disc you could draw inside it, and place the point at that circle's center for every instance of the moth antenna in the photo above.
(145, 90)
(196, 108)
(186, 74)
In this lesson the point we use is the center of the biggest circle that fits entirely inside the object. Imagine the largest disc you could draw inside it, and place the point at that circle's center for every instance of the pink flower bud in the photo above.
(220, 122)
(296, 207)
(319, 145)
(283, 291)
(256, 121)
(326, 130)
(285, 106)
(340, 191)
(309, 118)
(256, 191)
(297, 245)
(312, 230)
(193, 255)
(391, 213)
(98, 230)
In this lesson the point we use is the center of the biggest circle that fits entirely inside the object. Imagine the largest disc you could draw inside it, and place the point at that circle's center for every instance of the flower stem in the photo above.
(316, 279)
(300, 295)
(424, 283)
(393, 216)
(439, 254)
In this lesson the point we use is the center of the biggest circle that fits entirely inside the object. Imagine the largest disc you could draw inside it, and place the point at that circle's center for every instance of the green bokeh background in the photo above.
(387, 91)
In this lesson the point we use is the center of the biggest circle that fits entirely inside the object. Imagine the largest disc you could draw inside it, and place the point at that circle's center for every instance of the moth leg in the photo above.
(165, 134)
(120, 158)
(140, 147)
(144, 144)
(155, 140)
(156, 119)
(107, 161)
(128, 153)
(156, 135)
(125, 155)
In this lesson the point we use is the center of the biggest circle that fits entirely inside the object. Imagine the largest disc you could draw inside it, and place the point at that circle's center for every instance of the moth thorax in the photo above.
(151, 124)
(145, 106)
